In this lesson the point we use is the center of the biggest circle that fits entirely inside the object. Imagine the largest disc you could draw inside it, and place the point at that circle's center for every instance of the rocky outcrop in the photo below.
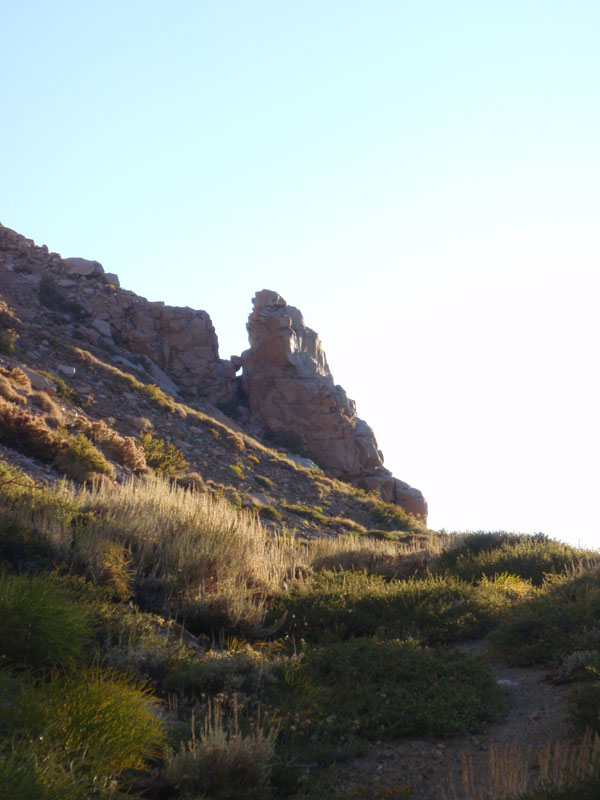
(286, 377)
(179, 346)
(291, 390)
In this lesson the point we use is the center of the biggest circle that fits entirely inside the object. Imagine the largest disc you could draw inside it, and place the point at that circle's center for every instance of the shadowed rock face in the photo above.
(290, 389)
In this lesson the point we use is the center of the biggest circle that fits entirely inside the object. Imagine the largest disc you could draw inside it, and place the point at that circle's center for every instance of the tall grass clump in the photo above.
(89, 726)
(40, 623)
(565, 770)
(224, 759)
(186, 548)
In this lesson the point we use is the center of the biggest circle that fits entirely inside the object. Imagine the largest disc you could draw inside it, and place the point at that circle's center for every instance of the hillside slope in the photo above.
(54, 321)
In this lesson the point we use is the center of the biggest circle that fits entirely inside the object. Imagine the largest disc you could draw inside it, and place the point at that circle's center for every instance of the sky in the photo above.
(421, 179)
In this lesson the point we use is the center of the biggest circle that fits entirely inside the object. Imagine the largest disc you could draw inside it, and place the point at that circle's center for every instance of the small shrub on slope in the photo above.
(79, 459)
(164, 458)
(392, 517)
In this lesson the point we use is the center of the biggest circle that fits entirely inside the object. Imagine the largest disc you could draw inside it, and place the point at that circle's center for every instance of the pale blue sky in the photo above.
(422, 179)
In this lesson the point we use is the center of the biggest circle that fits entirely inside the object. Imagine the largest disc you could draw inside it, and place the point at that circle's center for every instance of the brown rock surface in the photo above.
(180, 343)
(291, 390)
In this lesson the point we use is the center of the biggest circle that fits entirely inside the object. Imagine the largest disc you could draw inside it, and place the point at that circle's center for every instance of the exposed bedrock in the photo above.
(291, 390)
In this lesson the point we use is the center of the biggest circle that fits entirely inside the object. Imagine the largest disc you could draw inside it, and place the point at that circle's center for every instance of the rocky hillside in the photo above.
(86, 362)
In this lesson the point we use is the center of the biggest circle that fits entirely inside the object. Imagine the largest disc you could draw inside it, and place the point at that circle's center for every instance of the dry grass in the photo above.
(194, 549)
(514, 768)
(26, 432)
(54, 415)
(374, 555)
(7, 391)
(223, 759)
(122, 449)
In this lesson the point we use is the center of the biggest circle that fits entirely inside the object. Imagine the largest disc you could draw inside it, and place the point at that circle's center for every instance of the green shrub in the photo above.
(313, 514)
(338, 605)
(560, 618)
(288, 441)
(585, 706)
(238, 470)
(64, 390)
(92, 725)
(164, 458)
(386, 689)
(530, 557)
(215, 672)
(265, 482)
(51, 297)
(109, 717)
(21, 546)
(40, 623)
(79, 459)
(268, 512)
(8, 334)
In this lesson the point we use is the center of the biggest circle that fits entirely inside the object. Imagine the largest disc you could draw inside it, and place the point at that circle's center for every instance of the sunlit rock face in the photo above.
(291, 390)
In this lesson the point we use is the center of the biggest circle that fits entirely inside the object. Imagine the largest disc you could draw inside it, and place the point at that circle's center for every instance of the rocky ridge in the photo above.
(286, 386)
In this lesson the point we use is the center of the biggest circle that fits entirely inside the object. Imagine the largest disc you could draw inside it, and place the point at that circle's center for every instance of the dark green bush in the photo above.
(79, 459)
(51, 297)
(268, 512)
(385, 689)
(585, 706)
(265, 482)
(41, 624)
(288, 441)
(22, 547)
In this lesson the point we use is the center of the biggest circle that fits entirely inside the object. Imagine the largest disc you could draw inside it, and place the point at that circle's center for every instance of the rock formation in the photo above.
(286, 378)
(291, 390)
(179, 345)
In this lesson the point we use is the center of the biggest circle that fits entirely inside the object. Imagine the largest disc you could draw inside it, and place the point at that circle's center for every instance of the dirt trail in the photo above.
(418, 769)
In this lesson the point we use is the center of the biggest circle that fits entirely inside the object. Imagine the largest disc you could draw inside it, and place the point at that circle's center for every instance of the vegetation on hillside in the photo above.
(158, 643)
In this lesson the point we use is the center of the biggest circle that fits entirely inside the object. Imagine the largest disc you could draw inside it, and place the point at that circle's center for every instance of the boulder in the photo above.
(111, 278)
(410, 499)
(103, 327)
(82, 266)
(39, 382)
